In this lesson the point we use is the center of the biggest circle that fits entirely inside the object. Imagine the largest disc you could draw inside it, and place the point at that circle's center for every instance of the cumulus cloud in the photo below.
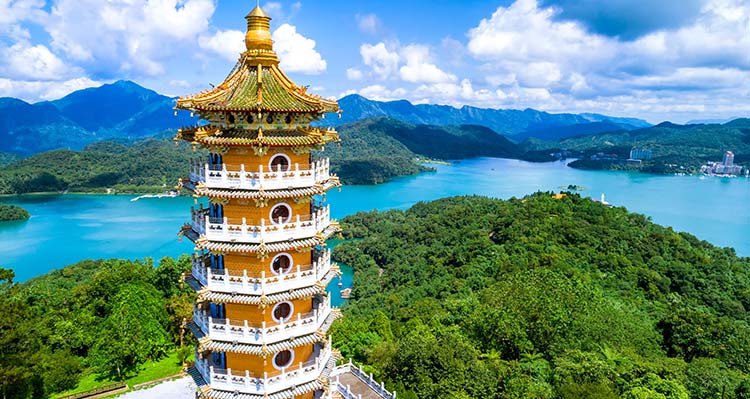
(419, 68)
(126, 35)
(32, 91)
(229, 44)
(296, 52)
(382, 61)
(24, 61)
(378, 92)
(354, 74)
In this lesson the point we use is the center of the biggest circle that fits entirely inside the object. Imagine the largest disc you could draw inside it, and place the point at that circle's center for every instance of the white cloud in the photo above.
(369, 23)
(378, 92)
(296, 52)
(126, 35)
(32, 91)
(229, 44)
(382, 61)
(419, 69)
(23, 61)
(354, 74)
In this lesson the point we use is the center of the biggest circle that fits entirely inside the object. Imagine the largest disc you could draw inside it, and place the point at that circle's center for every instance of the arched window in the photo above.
(280, 163)
(216, 213)
(283, 359)
(281, 264)
(280, 214)
(282, 311)
(214, 161)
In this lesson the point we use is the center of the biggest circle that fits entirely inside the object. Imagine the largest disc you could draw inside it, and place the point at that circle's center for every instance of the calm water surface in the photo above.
(64, 229)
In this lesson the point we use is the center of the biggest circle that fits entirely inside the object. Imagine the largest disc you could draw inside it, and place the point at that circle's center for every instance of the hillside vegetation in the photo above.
(12, 212)
(102, 318)
(377, 149)
(470, 297)
(147, 166)
(675, 148)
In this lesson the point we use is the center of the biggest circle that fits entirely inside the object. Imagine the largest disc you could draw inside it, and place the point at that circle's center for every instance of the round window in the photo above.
(281, 213)
(281, 264)
(283, 359)
(280, 163)
(282, 311)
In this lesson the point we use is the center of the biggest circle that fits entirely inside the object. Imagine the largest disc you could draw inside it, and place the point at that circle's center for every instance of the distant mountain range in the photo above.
(121, 110)
(128, 112)
(515, 124)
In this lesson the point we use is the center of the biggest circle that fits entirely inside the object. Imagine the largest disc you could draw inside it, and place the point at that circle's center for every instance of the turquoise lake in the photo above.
(65, 229)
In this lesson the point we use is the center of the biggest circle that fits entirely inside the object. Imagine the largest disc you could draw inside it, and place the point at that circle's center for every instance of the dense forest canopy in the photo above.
(12, 212)
(538, 297)
(105, 317)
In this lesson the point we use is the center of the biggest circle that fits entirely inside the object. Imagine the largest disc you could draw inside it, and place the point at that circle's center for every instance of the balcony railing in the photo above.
(238, 230)
(242, 177)
(246, 332)
(268, 383)
(267, 283)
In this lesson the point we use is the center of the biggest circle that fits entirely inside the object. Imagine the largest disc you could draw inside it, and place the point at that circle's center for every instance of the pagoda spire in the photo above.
(258, 36)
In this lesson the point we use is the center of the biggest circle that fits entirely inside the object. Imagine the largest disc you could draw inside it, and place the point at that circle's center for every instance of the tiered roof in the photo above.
(256, 83)
(215, 135)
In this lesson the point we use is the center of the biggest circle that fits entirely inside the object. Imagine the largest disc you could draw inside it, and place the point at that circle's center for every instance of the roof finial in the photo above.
(258, 35)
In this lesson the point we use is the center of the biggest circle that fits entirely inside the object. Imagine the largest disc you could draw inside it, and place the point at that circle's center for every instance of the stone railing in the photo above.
(299, 276)
(245, 332)
(268, 383)
(368, 380)
(238, 230)
(242, 177)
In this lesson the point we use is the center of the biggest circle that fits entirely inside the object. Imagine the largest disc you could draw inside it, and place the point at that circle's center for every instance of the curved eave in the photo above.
(244, 91)
(206, 392)
(300, 137)
(262, 249)
(201, 190)
(204, 294)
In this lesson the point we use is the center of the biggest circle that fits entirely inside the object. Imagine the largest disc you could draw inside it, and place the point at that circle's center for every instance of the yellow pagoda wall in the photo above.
(253, 314)
(238, 209)
(239, 156)
(257, 365)
(236, 263)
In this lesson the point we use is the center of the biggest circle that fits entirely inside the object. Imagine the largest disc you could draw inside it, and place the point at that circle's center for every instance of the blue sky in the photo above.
(667, 60)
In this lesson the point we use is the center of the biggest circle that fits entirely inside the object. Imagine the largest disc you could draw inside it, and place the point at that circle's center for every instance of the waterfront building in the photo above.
(724, 168)
(728, 160)
(639, 153)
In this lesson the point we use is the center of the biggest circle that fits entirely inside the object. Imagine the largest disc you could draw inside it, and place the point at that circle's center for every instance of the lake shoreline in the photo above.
(68, 227)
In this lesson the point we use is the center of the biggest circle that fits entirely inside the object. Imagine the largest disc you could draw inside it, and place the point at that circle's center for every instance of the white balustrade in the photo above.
(268, 383)
(245, 332)
(267, 283)
(238, 230)
(242, 177)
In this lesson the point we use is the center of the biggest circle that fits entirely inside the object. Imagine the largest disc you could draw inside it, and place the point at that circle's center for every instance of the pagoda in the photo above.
(261, 267)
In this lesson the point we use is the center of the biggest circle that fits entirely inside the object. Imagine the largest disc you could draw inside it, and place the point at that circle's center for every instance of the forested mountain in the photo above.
(376, 150)
(542, 297)
(122, 110)
(508, 122)
(125, 110)
(686, 147)
(147, 166)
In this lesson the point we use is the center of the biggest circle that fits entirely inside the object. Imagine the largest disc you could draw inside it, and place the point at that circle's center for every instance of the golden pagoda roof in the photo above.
(200, 189)
(257, 84)
(211, 135)
(262, 249)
